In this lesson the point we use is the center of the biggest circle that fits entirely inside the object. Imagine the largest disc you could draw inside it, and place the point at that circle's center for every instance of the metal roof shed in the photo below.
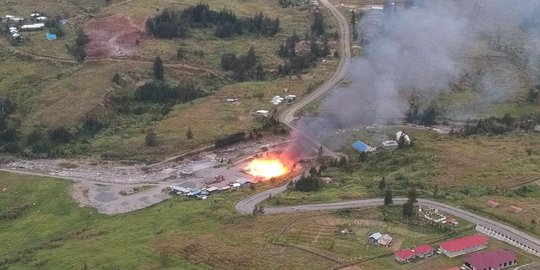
(360, 147)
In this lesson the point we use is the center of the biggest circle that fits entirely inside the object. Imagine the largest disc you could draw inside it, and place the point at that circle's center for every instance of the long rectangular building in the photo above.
(464, 245)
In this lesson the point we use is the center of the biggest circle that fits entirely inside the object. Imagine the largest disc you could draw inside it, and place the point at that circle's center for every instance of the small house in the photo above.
(404, 255)
(385, 240)
(391, 144)
(492, 260)
(264, 113)
(51, 36)
(375, 237)
(423, 251)
(402, 137)
(290, 97)
(493, 203)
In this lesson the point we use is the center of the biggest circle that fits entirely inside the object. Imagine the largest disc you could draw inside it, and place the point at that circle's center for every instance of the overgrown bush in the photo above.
(308, 183)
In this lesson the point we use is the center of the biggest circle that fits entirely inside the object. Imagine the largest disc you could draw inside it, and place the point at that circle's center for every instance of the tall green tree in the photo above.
(189, 134)
(388, 198)
(408, 209)
(382, 183)
(151, 138)
(412, 195)
(159, 71)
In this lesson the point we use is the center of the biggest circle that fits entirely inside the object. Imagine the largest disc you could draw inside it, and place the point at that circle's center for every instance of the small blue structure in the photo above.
(360, 147)
(51, 36)
(375, 237)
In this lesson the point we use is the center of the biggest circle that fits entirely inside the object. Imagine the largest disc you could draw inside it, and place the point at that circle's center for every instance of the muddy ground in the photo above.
(113, 188)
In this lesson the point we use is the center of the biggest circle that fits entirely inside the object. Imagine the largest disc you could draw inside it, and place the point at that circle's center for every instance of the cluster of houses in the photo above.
(203, 193)
(16, 24)
(490, 260)
(384, 240)
(277, 100)
(363, 147)
(511, 208)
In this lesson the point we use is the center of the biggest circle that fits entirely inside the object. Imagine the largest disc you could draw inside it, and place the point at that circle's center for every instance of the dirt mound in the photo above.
(117, 35)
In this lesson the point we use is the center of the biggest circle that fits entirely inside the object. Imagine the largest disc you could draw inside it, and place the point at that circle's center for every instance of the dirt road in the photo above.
(499, 230)
(287, 116)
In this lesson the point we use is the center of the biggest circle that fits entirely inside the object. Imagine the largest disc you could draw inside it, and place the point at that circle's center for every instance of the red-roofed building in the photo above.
(464, 245)
(491, 260)
(493, 203)
(404, 255)
(423, 251)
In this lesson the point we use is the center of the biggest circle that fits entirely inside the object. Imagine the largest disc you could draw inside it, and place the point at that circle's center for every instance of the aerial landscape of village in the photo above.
(270, 134)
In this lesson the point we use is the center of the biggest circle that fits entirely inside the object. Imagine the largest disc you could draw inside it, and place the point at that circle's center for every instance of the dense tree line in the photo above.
(289, 3)
(244, 67)
(301, 56)
(176, 23)
(231, 139)
(8, 133)
(500, 125)
(297, 61)
(161, 92)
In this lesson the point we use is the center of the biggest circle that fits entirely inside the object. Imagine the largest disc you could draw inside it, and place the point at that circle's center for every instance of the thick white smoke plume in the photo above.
(491, 46)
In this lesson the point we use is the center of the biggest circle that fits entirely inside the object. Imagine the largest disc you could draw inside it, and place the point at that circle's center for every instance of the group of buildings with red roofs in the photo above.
(422, 251)
(489, 260)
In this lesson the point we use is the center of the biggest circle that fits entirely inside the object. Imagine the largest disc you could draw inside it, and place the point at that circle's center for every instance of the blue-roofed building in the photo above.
(51, 36)
(361, 147)
(375, 236)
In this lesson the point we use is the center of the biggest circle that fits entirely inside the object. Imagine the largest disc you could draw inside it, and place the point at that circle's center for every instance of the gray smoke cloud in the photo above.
(491, 46)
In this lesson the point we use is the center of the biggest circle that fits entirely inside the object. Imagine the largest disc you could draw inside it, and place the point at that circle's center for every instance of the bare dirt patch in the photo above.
(117, 35)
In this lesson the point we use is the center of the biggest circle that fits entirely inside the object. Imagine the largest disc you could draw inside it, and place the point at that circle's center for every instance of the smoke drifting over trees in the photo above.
(489, 46)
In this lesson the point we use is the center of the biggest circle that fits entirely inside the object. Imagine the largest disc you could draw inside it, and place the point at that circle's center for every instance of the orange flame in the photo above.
(266, 168)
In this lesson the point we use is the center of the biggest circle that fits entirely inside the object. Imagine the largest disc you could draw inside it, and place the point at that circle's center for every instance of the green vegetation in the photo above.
(170, 24)
(108, 105)
(41, 227)
(308, 183)
(453, 168)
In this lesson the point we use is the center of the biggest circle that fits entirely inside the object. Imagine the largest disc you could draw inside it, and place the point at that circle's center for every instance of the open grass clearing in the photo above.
(50, 231)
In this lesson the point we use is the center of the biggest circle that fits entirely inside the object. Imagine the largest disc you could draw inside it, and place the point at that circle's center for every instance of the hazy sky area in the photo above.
(491, 45)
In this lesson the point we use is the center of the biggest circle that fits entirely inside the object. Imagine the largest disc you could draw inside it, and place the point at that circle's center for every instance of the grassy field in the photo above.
(41, 227)
(48, 98)
(462, 169)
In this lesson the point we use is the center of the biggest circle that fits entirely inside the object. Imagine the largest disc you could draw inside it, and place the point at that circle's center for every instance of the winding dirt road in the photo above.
(287, 116)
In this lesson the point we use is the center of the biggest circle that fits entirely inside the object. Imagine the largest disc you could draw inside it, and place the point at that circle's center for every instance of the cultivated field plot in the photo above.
(116, 35)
